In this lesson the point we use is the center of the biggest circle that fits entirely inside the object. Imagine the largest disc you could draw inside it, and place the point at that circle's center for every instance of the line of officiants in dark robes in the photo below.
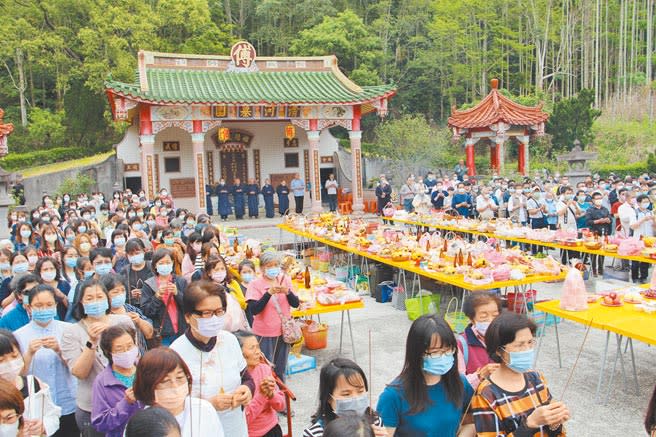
(239, 198)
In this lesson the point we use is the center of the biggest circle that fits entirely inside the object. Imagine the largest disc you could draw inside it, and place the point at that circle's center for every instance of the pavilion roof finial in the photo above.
(494, 83)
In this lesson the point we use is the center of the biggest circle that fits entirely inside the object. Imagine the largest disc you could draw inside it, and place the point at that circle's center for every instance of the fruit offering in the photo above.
(612, 300)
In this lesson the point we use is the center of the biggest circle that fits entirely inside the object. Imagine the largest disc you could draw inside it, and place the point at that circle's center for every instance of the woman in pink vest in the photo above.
(473, 361)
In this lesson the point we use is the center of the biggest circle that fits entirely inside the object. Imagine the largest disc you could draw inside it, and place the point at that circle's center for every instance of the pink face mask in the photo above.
(172, 398)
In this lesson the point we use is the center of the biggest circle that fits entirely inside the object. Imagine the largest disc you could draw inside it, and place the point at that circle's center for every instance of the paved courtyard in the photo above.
(622, 415)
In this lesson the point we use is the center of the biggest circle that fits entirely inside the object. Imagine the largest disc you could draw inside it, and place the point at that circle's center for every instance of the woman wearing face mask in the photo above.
(343, 389)
(215, 271)
(11, 411)
(270, 298)
(226, 383)
(32, 255)
(118, 305)
(19, 266)
(192, 260)
(207, 251)
(161, 298)
(25, 236)
(41, 415)
(80, 349)
(268, 400)
(515, 400)
(120, 257)
(164, 380)
(39, 343)
(473, 361)
(116, 201)
(70, 257)
(83, 244)
(177, 248)
(48, 270)
(113, 401)
(247, 274)
(5, 264)
(430, 396)
(51, 245)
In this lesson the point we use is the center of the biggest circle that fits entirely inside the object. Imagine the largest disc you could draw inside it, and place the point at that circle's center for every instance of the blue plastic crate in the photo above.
(538, 318)
(300, 364)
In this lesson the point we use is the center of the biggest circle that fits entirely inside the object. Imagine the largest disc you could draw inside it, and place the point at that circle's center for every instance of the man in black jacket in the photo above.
(597, 217)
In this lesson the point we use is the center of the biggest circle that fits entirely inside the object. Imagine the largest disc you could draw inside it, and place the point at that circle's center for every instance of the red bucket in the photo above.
(518, 302)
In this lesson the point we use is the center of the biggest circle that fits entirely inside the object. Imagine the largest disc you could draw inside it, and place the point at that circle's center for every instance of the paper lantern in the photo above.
(224, 134)
(290, 131)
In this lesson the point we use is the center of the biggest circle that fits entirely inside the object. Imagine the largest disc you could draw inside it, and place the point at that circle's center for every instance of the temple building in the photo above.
(197, 118)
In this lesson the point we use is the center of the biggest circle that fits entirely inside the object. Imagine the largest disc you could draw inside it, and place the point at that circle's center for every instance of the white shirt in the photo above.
(626, 213)
(567, 220)
(522, 208)
(646, 229)
(487, 203)
(212, 371)
(331, 186)
(199, 419)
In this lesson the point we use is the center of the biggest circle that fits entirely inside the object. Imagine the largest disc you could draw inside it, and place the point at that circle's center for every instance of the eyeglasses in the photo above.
(209, 313)
(9, 418)
(438, 353)
(520, 347)
(173, 382)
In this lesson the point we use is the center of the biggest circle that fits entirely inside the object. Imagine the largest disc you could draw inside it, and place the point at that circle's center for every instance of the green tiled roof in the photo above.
(174, 85)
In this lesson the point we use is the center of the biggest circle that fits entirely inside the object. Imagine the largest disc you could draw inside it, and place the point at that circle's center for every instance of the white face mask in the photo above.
(9, 370)
(9, 429)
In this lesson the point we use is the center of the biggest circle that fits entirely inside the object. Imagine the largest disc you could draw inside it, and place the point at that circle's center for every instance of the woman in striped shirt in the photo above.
(514, 400)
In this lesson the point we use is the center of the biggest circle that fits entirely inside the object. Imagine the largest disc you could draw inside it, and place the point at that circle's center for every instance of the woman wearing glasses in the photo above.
(430, 396)
(515, 400)
(214, 356)
(11, 411)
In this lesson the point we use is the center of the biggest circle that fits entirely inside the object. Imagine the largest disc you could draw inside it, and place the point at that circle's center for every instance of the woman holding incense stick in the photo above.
(270, 299)
(515, 400)
(429, 397)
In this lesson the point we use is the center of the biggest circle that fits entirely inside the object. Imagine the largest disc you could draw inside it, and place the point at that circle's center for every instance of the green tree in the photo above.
(345, 36)
(572, 120)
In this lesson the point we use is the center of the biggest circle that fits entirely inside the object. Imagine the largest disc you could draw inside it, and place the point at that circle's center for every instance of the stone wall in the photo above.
(104, 173)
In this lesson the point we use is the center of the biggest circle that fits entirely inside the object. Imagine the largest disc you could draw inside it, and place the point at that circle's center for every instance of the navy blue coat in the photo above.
(252, 192)
(238, 199)
(267, 192)
(223, 193)
(283, 198)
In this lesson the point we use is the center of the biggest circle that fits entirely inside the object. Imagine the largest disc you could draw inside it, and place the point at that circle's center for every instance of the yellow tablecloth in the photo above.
(323, 309)
(625, 320)
(455, 280)
(525, 240)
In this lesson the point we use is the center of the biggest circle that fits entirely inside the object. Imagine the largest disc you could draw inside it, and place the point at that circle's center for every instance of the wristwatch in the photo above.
(90, 345)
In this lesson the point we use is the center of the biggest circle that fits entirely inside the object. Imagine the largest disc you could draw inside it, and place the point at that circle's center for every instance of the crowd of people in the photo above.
(121, 317)
(604, 206)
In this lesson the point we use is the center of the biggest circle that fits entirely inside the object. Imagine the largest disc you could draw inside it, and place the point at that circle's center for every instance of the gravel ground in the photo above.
(621, 415)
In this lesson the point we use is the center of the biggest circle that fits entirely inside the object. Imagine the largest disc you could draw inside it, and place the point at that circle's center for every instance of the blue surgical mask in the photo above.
(45, 315)
(5, 266)
(70, 262)
(357, 405)
(136, 259)
(103, 269)
(151, 223)
(20, 267)
(481, 327)
(26, 300)
(164, 269)
(70, 238)
(82, 229)
(272, 272)
(247, 277)
(438, 365)
(96, 309)
(521, 362)
(118, 301)
(88, 274)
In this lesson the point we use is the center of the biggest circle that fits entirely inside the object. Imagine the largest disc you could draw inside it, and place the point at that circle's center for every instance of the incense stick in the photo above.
(576, 361)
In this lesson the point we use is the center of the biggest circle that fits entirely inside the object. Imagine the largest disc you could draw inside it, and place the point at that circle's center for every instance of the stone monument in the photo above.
(577, 160)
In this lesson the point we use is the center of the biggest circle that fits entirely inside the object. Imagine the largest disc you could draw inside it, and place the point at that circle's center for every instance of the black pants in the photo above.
(299, 204)
(639, 271)
(67, 427)
(537, 223)
(276, 431)
(597, 262)
(332, 202)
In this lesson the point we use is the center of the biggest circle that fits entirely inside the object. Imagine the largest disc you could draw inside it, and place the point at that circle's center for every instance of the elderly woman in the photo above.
(270, 299)
(473, 361)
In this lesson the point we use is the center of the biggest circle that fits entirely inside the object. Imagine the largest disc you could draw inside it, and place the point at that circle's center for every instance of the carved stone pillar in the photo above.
(315, 179)
(356, 171)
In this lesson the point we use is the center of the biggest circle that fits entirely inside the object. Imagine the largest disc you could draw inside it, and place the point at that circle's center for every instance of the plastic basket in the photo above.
(457, 320)
(521, 301)
(315, 339)
(423, 304)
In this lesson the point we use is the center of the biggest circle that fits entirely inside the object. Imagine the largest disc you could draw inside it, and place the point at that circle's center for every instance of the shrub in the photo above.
(634, 169)
(19, 161)
(78, 184)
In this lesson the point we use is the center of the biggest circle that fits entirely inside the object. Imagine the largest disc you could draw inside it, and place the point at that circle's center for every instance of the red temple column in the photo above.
(521, 164)
(493, 157)
(469, 154)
